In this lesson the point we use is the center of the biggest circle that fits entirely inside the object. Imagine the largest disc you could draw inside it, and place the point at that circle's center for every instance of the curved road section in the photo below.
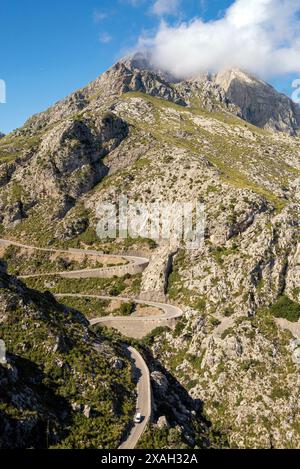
(169, 312)
(144, 404)
(135, 264)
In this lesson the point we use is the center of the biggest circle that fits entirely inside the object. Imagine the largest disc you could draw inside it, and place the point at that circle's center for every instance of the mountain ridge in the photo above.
(235, 91)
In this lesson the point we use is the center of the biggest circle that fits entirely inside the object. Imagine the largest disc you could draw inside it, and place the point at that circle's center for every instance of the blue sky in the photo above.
(51, 48)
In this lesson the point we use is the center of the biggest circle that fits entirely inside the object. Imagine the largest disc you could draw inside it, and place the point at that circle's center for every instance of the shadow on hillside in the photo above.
(173, 401)
(33, 415)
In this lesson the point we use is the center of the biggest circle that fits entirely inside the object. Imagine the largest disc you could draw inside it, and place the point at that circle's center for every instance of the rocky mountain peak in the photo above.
(139, 61)
(236, 90)
(233, 90)
(224, 78)
(143, 61)
(259, 103)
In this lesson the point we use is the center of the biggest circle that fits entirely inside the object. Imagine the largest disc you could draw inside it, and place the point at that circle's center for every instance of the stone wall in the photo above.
(137, 328)
(118, 271)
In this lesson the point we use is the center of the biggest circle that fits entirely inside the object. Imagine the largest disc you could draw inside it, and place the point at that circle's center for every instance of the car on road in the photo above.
(138, 418)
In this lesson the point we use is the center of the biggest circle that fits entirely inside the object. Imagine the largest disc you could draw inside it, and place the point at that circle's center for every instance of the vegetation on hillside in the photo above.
(286, 308)
(60, 385)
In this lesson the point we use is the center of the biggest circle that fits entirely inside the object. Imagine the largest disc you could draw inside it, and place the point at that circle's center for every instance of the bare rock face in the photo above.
(162, 422)
(136, 73)
(259, 103)
(237, 91)
(145, 81)
(155, 277)
(293, 274)
(160, 382)
(67, 163)
(6, 171)
(14, 213)
(72, 227)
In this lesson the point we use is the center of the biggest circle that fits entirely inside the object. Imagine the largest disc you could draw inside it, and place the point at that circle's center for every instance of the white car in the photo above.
(138, 418)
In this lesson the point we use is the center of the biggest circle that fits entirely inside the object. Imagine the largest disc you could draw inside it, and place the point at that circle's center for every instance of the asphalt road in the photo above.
(169, 311)
(138, 262)
(144, 392)
(144, 400)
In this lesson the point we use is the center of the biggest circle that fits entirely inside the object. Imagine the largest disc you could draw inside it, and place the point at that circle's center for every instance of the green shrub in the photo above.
(229, 311)
(148, 341)
(200, 305)
(179, 327)
(214, 321)
(279, 393)
(286, 308)
(126, 309)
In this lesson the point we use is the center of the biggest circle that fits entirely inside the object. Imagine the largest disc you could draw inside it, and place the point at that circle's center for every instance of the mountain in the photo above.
(227, 140)
(2, 135)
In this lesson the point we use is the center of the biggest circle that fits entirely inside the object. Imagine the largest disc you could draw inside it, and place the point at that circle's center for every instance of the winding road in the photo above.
(169, 312)
(144, 401)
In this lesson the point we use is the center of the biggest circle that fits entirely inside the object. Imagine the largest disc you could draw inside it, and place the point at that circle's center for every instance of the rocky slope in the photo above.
(54, 388)
(229, 141)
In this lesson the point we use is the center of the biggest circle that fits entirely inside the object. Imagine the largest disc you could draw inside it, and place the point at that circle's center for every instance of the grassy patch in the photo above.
(286, 308)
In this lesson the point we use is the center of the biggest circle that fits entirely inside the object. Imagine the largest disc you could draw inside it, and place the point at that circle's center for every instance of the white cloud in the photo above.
(261, 36)
(99, 16)
(165, 7)
(105, 38)
(134, 3)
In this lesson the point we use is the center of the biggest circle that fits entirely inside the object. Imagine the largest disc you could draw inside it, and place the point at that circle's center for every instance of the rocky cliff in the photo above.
(258, 102)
